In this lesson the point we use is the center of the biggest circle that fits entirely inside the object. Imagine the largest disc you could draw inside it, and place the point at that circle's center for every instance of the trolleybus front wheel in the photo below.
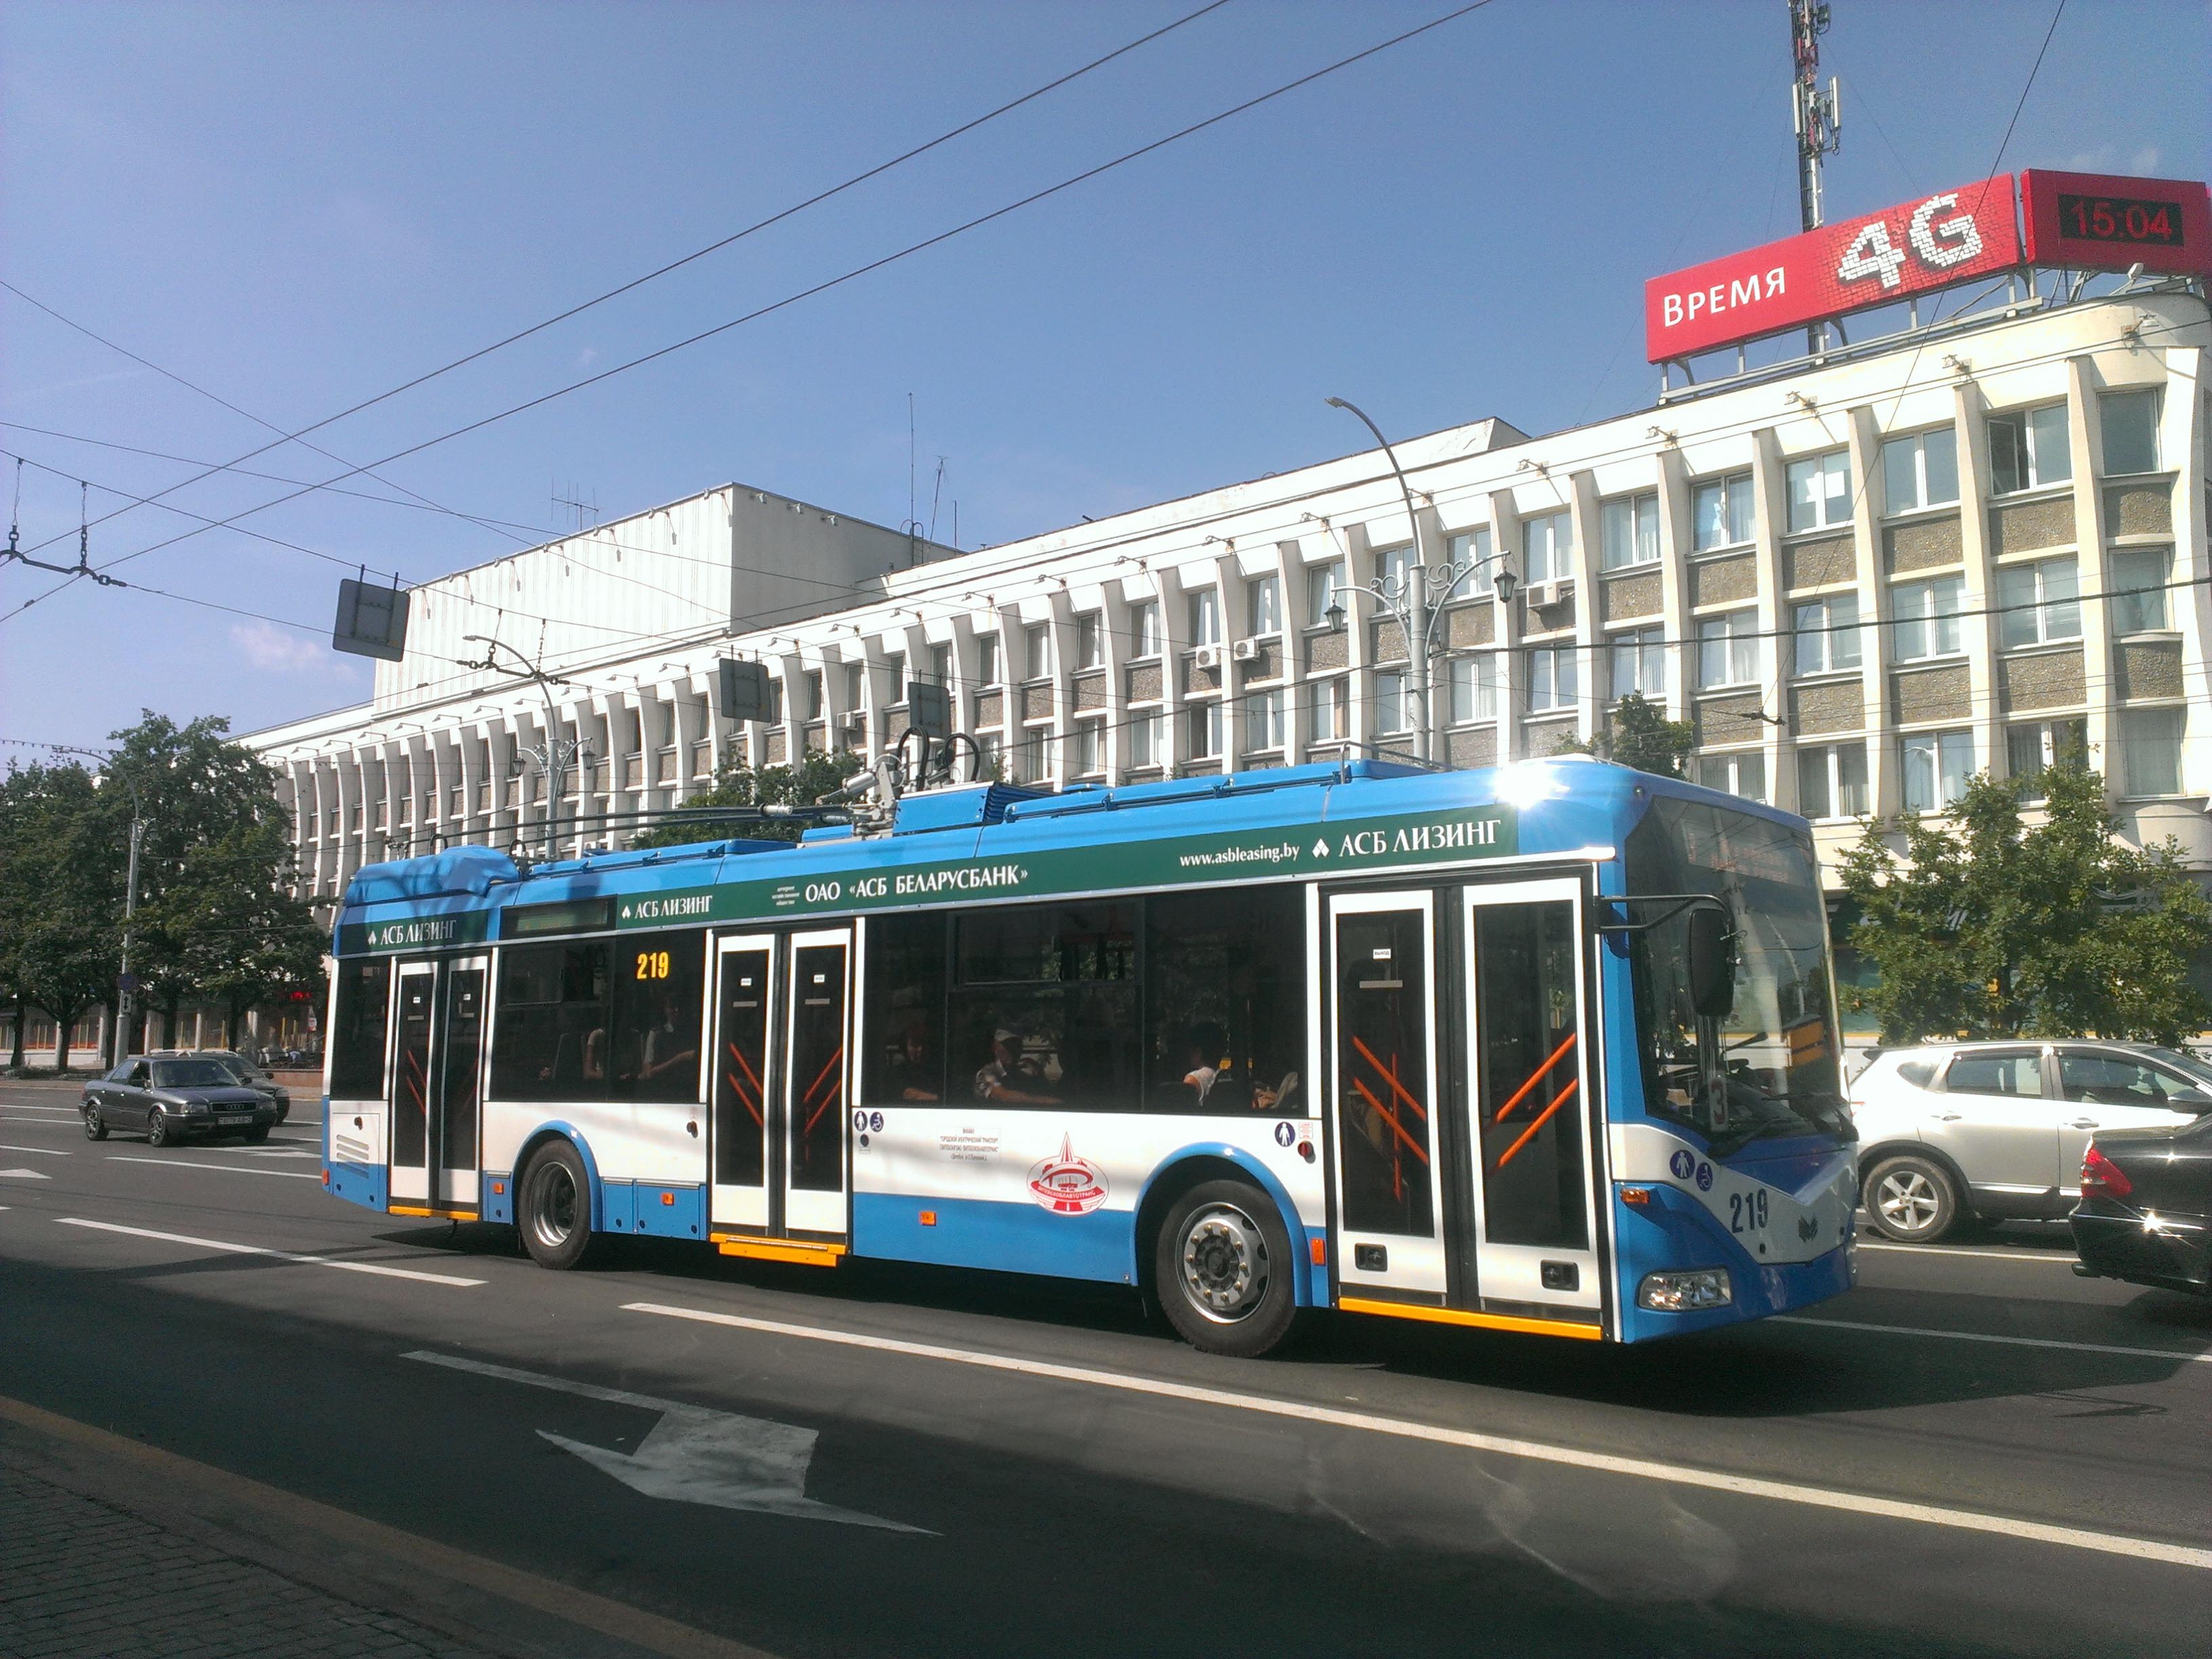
(555, 1210)
(1223, 1267)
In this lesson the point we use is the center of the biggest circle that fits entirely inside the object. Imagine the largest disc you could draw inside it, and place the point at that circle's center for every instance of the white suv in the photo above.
(1960, 1132)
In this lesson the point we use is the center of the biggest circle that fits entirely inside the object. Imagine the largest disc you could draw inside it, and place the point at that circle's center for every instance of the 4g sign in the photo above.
(1949, 237)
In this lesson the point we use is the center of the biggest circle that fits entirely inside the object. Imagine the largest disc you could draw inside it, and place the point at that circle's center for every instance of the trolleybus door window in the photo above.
(460, 1067)
(1384, 1060)
(815, 1087)
(410, 1085)
(738, 1149)
(1531, 1090)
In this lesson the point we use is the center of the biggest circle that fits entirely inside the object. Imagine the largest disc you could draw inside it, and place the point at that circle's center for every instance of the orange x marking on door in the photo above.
(1521, 1093)
(1390, 1076)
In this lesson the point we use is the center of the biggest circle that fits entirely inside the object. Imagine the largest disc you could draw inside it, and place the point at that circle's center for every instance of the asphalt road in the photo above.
(1928, 1466)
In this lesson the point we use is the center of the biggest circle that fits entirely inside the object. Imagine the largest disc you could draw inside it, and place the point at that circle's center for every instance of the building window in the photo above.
(986, 661)
(1090, 640)
(1205, 616)
(1263, 721)
(1936, 767)
(2033, 747)
(1327, 703)
(1925, 617)
(940, 665)
(1037, 651)
(1820, 491)
(810, 699)
(1144, 629)
(2150, 750)
(2129, 420)
(1920, 470)
(2027, 450)
(1090, 747)
(1832, 780)
(1828, 633)
(1205, 730)
(1639, 662)
(2039, 603)
(990, 754)
(1264, 598)
(1727, 649)
(1740, 773)
(1474, 688)
(1472, 548)
(1720, 513)
(1630, 527)
(856, 684)
(2138, 595)
(1391, 564)
(1390, 713)
(1551, 677)
(1547, 548)
(1145, 740)
(1324, 587)
(1030, 755)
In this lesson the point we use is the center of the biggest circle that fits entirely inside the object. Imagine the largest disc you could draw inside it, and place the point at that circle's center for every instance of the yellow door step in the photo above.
(805, 1251)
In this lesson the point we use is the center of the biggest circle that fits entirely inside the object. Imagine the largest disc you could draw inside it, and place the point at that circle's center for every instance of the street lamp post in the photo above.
(554, 754)
(1417, 605)
(126, 988)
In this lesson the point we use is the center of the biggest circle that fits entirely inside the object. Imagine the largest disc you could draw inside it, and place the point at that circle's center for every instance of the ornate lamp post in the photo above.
(554, 754)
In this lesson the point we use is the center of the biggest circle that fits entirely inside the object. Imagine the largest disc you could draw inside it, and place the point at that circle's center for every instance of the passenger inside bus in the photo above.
(911, 1072)
(1011, 1077)
(667, 1044)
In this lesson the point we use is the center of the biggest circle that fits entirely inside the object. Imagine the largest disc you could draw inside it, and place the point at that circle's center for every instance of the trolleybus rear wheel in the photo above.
(555, 1207)
(1223, 1267)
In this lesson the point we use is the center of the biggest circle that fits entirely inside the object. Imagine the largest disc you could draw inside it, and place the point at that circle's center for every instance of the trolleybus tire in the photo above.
(1223, 1267)
(1913, 1200)
(553, 1214)
(158, 1133)
(95, 1126)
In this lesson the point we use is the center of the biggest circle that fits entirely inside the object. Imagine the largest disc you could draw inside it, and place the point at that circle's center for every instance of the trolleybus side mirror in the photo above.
(1712, 961)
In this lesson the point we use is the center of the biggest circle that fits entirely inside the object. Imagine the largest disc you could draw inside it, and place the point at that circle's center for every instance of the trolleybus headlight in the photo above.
(1685, 1291)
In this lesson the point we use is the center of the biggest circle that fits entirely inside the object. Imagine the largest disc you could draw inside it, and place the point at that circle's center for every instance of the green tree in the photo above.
(61, 896)
(815, 776)
(1990, 927)
(1640, 735)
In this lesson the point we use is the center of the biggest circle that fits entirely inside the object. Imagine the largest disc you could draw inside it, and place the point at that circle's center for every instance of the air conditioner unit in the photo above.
(1542, 596)
(1208, 656)
(1245, 650)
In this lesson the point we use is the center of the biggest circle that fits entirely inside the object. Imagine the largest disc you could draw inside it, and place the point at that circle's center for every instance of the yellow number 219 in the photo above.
(652, 964)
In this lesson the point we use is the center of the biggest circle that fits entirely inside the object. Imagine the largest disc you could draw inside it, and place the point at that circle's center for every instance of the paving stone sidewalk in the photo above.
(80, 1578)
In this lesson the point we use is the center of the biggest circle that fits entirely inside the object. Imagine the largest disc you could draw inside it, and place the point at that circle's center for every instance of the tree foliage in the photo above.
(813, 777)
(61, 894)
(1640, 735)
(1990, 927)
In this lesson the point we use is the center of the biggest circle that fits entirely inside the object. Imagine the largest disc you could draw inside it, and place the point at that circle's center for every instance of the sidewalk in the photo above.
(79, 1577)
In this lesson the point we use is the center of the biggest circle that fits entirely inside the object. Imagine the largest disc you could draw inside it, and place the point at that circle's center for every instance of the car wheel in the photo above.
(159, 1131)
(1913, 1200)
(555, 1212)
(1223, 1268)
(95, 1126)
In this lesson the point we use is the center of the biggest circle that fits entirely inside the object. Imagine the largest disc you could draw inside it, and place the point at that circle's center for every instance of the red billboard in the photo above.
(1869, 260)
(2094, 221)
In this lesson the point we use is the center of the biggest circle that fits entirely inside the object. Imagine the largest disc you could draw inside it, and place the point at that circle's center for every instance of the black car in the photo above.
(2146, 1213)
(174, 1100)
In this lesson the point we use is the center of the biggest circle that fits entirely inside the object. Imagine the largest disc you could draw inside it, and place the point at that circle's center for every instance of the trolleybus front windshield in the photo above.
(1769, 1066)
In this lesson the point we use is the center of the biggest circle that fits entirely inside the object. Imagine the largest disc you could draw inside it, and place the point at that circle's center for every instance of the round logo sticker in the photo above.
(1704, 1177)
(1067, 1185)
(876, 1121)
(1285, 1134)
(1683, 1164)
(859, 1119)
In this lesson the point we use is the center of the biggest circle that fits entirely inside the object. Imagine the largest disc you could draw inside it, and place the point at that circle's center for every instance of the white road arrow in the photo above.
(23, 1174)
(695, 1455)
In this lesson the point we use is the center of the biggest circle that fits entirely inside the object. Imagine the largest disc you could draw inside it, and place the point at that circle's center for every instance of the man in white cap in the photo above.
(1004, 1078)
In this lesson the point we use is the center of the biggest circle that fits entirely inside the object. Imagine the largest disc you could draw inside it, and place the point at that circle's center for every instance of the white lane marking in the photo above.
(43, 1151)
(227, 1169)
(58, 1111)
(1979, 1336)
(260, 1249)
(1985, 1256)
(1642, 1468)
(23, 1174)
(276, 1151)
(695, 1454)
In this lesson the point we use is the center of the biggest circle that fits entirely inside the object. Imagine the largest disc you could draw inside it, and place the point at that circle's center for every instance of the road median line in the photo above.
(1679, 1474)
(220, 1168)
(225, 1245)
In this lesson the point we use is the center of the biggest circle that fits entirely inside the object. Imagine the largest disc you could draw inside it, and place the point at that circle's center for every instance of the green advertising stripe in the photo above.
(414, 933)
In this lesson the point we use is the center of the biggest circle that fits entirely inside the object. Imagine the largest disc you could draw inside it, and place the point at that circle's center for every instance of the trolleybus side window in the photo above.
(364, 1002)
(552, 1038)
(1045, 1010)
(658, 994)
(1225, 1004)
(904, 1063)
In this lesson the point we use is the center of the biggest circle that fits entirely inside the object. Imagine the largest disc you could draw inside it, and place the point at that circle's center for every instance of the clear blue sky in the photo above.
(296, 206)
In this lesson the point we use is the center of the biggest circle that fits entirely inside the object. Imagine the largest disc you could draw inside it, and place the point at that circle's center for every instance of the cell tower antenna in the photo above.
(576, 506)
(1816, 115)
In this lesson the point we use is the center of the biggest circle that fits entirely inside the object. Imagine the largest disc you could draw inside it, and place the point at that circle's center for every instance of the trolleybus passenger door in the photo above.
(737, 1136)
(814, 1091)
(1382, 956)
(410, 1084)
(455, 1102)
(1530, 1090)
